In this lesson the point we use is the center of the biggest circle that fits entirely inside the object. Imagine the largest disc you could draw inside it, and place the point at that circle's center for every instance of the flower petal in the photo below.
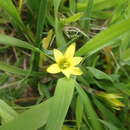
(76, 71)
(76, 60)
(69, 53)
(66, 72)
(54, 68)
(58, 55)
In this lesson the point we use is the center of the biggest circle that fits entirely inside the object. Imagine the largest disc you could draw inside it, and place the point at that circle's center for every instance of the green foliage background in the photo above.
(32, 99)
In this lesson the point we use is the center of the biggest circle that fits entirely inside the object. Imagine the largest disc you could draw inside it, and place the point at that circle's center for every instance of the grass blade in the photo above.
(56, 6)
(109, 125)
(34, 5)
(18, 71)
(89, 109)
(12, 69)
(104, 38)
(31, 119)
(79, 112)
(7, 40)
(41, 19)
(6, 112)
(87, 15)
(99, 74)
(58, 26)
(13, 13)
(61, 101)
(109, 116)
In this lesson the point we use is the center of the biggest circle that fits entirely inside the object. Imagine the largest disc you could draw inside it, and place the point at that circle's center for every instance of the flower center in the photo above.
(64, 64)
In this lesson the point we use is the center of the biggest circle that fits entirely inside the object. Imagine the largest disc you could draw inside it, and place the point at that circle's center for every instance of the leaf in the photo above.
(105, 4)
(61, 102)
(15, 18)
(104, 38)
(93, 118)
(16, 70)
(31, 119)
(3, 78)
(56, 6)
(7, 40)
(58, 26)
(79, 112)
(72, 6)
(124, 88)
(12, 69)
(39, 29)
(34, 5)
(60, 40)
(41, 19)
(6, 112)
(99, 74)
(87, 15)
(13, 13)
(43, 90)
(106, 113)
(126, 55)
(109, 125)
(98, 5)
(71, 19)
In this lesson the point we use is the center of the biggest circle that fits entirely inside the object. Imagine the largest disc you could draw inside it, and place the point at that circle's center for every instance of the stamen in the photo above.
(64, 64)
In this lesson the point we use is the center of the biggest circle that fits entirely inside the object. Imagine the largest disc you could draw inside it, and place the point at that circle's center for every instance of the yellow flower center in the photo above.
(64, 64)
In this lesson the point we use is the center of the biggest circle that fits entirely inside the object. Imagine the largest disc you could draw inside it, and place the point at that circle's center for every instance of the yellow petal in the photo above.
(58, 55)
(113, 96)
(76, 71)
(117, 103)
(69, 53)
(66, 72)
(76, 60)
(54, 68)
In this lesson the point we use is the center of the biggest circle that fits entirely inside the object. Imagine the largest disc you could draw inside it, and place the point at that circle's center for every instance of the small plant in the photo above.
(64, 64)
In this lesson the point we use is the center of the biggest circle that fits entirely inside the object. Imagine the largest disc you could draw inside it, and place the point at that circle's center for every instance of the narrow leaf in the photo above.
(61, 102)
(71, 19)
(79, 112)
(6, 112)
(13, 12)
(7, 40)
(31, 119)
(104, 38)
(89, 109)
(41, 18)
(106, 113)
(109, 125)
(18, 71)
(99, 74)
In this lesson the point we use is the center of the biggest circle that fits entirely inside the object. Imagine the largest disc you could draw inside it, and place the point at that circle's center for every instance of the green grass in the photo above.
(31, 98)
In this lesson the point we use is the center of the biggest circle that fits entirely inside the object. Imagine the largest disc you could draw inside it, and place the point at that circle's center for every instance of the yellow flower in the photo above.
(66, 62)
(112, 99)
